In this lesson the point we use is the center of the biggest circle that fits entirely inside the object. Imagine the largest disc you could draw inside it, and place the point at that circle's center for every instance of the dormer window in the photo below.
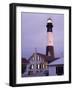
(33, 58)
(38, 58)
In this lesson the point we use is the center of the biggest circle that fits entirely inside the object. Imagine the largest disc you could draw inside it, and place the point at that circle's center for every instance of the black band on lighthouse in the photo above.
(49, 27)
(50, 51)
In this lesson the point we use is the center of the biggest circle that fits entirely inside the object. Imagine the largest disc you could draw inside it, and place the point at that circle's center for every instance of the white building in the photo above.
(56, 67)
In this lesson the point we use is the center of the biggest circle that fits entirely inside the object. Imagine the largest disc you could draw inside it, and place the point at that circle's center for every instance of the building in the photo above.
(24, 63)
(56, 67)
(37, 66)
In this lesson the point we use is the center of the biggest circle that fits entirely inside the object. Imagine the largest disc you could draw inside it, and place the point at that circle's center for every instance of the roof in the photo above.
(57, 62)
(49, 20)
(46, 58)
(25, 61)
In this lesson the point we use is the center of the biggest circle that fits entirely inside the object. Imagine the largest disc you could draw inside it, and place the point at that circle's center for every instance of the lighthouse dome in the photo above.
(49, 20)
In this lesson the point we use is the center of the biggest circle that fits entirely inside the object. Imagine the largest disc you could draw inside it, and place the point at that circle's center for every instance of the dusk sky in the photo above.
(34, 33)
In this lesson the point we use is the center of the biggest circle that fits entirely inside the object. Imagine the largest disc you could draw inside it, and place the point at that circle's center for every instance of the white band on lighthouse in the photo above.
(50, 38)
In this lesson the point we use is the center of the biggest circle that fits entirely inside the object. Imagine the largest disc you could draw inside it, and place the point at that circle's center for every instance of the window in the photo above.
(59, 70)
(38, 58)
(46, 65)
(38, 66)
(33, 58)
(31, 66)
(43, 66)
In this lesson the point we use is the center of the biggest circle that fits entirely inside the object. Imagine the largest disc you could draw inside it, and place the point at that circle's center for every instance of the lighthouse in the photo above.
(50, 39)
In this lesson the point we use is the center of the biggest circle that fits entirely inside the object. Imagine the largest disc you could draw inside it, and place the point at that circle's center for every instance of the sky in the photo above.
(34, 33)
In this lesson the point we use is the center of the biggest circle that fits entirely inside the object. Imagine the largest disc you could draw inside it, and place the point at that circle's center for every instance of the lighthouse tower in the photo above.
(50, 44)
